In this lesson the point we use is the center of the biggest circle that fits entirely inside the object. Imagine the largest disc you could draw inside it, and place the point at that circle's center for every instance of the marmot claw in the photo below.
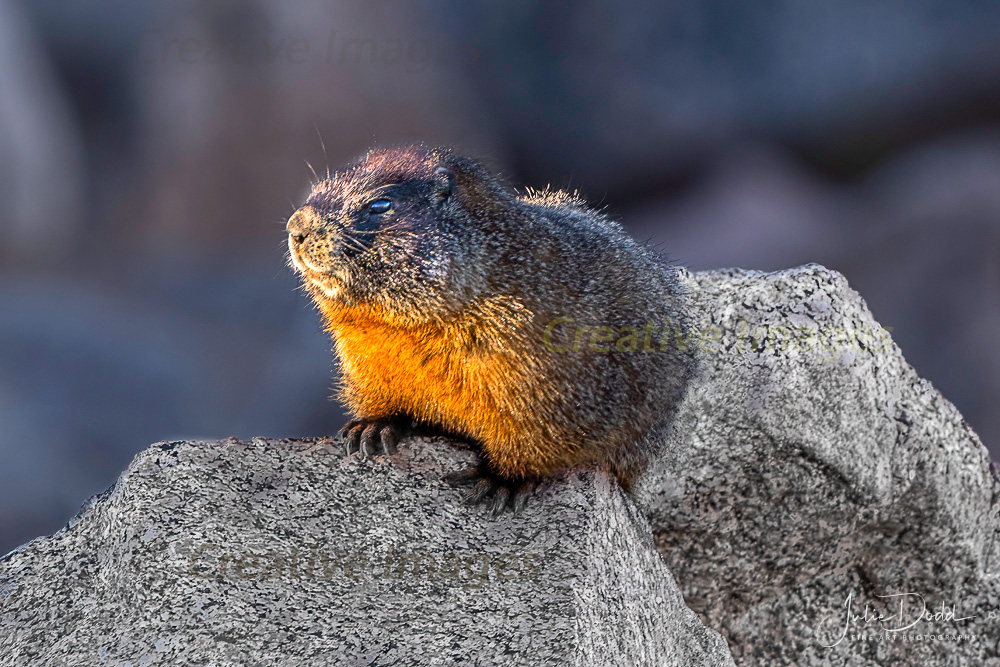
(369, 437)
(497, 493)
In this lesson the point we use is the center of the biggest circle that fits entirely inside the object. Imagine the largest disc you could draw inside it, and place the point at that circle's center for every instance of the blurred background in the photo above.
(151, 151)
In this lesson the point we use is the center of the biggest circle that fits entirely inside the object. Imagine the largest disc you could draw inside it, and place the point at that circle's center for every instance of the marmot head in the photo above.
(399, 228)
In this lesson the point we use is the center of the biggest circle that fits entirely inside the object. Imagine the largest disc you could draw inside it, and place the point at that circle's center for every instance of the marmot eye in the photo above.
(379, 206)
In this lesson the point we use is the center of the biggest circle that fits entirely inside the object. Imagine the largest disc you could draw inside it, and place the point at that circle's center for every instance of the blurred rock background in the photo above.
(150, 152)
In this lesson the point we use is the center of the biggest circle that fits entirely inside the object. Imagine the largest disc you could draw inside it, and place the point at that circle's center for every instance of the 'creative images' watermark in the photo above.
(470, 569)
(412, 54)
(567, 335)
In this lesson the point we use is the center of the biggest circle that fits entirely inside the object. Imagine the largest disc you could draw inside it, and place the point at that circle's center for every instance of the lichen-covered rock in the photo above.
(814, 481)
(276, 552)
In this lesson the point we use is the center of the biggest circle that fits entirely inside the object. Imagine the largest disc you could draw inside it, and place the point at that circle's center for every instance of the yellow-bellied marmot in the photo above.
(531, 325)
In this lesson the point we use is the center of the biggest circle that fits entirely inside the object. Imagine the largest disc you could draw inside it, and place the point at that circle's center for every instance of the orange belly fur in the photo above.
(468, 376)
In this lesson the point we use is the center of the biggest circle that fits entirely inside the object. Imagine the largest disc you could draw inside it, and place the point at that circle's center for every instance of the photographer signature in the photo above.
(912, 608)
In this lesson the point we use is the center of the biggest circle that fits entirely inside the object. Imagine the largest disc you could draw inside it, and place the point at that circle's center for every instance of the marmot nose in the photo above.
(299, 225)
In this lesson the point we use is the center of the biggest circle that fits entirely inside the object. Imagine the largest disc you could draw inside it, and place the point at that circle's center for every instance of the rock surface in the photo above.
(812, 472)
(282, 552)
(812, 483)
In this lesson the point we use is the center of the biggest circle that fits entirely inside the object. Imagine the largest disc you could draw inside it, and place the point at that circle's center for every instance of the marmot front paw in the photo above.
(496, 492)
(369, 437)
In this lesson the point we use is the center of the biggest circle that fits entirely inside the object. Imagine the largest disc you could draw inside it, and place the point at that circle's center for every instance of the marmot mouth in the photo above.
(329, 288)
(310, 270)
(329, 282)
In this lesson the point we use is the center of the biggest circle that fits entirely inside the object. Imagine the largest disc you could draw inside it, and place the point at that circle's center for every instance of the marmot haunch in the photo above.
(528, 324)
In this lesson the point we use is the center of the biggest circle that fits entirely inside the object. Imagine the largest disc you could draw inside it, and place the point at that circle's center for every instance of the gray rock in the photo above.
(918, 237)
(811, 468)
(813, 482)
(86, 375)
(282, 552)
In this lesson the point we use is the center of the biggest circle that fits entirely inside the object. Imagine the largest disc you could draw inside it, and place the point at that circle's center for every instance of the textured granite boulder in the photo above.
(277, 552)
(817, 502)
(814, 481)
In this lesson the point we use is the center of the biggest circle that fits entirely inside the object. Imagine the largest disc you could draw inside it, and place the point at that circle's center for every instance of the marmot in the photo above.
(528, 324)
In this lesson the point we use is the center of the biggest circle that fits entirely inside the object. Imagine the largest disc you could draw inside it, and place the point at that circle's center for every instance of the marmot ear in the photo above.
(444, 184)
